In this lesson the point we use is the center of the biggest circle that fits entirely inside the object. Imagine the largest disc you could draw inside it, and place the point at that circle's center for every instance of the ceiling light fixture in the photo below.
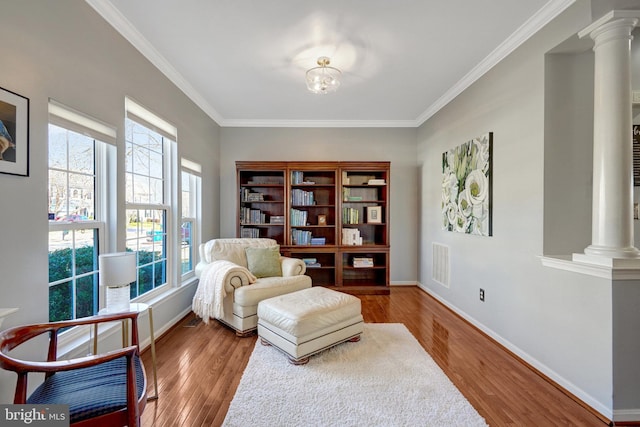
(323, 78)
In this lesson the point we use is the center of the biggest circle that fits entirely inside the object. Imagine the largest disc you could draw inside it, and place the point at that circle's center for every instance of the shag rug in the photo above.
(386, 379)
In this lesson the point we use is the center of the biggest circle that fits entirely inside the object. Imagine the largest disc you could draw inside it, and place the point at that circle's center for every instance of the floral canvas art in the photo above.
(466, 187)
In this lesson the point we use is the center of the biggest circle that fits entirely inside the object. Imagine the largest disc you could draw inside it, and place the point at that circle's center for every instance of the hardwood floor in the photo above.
(199, 368)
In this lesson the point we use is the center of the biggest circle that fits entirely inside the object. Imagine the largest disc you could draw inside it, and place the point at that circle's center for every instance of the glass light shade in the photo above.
(117, 271)
(323, 78)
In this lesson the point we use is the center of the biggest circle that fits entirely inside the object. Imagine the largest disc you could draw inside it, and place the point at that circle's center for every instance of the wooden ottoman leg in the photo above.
(355, 339)
(264, 342)
(302, 361)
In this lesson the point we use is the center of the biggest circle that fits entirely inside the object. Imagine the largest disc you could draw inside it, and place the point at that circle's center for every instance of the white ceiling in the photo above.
(243, 61)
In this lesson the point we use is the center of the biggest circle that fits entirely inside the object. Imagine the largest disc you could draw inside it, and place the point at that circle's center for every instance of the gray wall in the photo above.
(559, 321)
(395, 145)
(64, 50)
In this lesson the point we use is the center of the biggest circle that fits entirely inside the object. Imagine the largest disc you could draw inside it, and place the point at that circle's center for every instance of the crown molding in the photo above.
(121, 24)
(534, 24)
(320, 123)
(113, 16)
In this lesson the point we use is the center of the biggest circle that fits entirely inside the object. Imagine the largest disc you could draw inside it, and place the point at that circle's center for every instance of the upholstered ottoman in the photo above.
(306, 322)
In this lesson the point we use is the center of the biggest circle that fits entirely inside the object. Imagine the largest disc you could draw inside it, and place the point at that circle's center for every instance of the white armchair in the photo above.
(236, 274)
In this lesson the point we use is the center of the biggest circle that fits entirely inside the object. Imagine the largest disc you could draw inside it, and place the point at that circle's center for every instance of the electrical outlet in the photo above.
(481, 294)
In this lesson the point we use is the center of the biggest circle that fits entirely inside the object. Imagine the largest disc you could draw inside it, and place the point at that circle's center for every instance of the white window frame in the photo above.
(145, 117)
(193, 171)
(104, 136)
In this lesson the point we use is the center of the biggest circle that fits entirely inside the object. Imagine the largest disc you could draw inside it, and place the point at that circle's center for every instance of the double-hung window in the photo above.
(149, 148)
(189, 229)
(78, 146)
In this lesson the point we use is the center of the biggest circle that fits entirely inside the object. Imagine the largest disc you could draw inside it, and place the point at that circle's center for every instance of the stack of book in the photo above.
(276, 219)
(351, 236)
(249, 196)
(311, 263)
(302, 198)
(298, 217)
(376, 181)
(362, 262)
(297, 177)
(350, 216)
(249, 232)
(318, 240)
(300, 237)
(252, 216)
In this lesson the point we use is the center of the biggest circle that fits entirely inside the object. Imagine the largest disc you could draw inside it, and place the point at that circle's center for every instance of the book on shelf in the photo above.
(297, 177)
(302, 197)
(276, 219)
(376, 181)
(362, 262)
(314, 265)
(350, 216)
(250, 196)
(318, 240)
(311, 262)
(351, 237)
(252, 216)
(298, 217)
(300, 237)
(246, 232)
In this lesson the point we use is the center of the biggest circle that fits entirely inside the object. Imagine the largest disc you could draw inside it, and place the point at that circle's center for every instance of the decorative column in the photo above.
(612, 206)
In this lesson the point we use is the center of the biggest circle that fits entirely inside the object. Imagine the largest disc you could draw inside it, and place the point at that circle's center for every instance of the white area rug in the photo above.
(386, 379)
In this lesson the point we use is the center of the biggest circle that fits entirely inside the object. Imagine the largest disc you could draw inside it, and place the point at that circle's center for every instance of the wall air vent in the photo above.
(440, 264)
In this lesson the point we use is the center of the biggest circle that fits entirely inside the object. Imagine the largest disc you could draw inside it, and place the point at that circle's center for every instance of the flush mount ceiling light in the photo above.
(323, 78)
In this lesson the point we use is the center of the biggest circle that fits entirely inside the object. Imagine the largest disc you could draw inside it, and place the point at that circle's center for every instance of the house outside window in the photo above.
(148, 215)
(76, 226)
(190, 198)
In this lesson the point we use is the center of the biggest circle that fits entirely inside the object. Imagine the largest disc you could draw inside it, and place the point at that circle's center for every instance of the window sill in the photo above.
(606, 268)
(74, 342)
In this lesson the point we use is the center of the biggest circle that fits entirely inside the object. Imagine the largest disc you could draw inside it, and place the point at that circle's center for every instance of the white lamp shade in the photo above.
(117, 269)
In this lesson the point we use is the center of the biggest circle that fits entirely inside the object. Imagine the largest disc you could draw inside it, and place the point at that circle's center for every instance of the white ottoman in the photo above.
(306, 322)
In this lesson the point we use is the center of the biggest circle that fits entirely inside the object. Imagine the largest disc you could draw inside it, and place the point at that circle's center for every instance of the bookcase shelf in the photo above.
(326, 213)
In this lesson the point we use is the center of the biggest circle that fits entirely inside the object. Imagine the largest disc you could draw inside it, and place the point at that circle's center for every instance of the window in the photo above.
(190, 215)
(148, 150)
(75, 229)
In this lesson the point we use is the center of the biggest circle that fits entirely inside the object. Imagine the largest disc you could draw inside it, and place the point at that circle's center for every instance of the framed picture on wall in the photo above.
(14, 133)
(467, 187)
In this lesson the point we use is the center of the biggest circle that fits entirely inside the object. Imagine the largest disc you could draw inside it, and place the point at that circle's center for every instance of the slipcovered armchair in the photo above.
(101, 390)
(236, 274)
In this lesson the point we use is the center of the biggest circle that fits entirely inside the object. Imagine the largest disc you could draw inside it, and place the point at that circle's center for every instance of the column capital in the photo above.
(624, 20)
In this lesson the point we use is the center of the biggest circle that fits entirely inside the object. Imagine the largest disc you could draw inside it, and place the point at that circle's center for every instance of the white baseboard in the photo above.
(622, 415)
(536, 364)
(403, 283)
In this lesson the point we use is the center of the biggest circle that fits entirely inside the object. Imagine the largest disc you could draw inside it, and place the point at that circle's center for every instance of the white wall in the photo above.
(291, 144)
(64, 50)
(560, 322)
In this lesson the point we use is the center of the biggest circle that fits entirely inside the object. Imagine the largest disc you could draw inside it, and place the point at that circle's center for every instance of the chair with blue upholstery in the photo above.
(106, 389)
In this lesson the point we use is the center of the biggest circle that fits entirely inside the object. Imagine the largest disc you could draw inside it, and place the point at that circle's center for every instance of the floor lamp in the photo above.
(117, 271)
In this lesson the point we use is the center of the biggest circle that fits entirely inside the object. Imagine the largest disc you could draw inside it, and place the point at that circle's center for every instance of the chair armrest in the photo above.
(292, 266)
(232, 275)
(67, 365)
(13, 337)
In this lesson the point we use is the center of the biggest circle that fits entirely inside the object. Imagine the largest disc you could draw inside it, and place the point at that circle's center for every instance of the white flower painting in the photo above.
(466, 187)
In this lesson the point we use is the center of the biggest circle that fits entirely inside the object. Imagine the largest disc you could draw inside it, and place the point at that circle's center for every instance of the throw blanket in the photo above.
(207, 301)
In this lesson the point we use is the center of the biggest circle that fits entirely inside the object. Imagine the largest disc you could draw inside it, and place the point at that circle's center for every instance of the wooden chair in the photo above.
(101, 390)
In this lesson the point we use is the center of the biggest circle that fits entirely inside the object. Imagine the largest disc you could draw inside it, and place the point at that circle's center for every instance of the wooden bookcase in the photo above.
(327, 213)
